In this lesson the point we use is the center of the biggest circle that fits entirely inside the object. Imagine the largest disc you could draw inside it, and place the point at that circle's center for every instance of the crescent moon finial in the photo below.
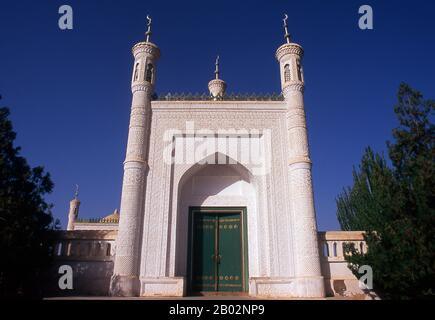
(76, 195)
(286, 35)
(148, 33)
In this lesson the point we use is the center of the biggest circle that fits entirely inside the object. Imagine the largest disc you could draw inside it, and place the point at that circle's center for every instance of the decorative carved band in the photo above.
(144, 86)
(137, 160)
(146, 47)
(293, 86)
(296, 125)
(299, 160)
(289, 48)
(296, 113)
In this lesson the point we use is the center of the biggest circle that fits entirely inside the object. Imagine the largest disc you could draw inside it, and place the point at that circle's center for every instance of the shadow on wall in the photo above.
(86, 255)
(90, 278)
(339, 287)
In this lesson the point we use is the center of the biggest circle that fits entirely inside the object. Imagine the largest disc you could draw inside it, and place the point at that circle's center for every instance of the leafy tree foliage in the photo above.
(395, 205)
(25, 218)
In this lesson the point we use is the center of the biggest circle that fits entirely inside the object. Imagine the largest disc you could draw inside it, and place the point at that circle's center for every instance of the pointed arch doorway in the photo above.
(217, 214)
(218, 256)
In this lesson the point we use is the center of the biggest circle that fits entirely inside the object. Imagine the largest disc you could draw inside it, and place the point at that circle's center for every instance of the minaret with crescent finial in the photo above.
(309, 281)
(125, 279)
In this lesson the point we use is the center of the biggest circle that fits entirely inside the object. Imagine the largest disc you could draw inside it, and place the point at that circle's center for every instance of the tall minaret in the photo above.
(74, 205)
(308, 275)
(125, 279)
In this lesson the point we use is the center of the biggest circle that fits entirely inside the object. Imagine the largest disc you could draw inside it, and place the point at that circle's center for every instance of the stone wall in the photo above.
(90, 253)
(339, 280)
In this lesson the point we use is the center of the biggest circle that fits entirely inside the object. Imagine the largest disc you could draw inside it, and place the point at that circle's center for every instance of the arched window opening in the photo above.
(334, 249)
(98, 249)
(344, 248)
(59, 249)
(108, 250)
(326, 249)
(299, 67)
(149, 73)
(287, 75)
(77, 249)
(136, 72)
(89, 249)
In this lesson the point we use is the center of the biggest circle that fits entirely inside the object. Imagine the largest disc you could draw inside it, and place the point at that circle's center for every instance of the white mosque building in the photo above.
(216, 198)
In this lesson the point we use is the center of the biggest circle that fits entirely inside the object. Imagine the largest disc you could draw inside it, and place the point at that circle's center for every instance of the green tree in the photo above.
(25, 218)
(395, 205)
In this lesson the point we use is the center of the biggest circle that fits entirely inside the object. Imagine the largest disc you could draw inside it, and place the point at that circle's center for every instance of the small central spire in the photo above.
(148, 33)
(216, 71)
(287, 35)
(217, 86)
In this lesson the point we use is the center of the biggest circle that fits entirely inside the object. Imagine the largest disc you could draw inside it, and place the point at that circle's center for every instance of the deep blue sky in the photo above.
(69, 91)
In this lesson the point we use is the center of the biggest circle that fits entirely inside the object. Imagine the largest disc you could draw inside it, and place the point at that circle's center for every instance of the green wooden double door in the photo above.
(218, 250)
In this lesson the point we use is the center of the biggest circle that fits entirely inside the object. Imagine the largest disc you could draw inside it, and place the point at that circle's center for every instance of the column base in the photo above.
(163, 287)
(124, 286)
(310, 287)
(270, 287)
(280, 287)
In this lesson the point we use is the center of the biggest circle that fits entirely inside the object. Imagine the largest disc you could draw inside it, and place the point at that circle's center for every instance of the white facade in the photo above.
(217, 153)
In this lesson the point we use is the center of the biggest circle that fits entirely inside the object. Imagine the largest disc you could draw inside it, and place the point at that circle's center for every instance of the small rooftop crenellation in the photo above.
(227, 97)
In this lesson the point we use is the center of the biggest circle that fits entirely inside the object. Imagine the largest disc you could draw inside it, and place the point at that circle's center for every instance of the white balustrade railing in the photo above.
(331, 243)
(85, 244)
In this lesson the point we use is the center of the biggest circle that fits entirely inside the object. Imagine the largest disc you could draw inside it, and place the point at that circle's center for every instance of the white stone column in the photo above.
(308, 277)
(125, 279)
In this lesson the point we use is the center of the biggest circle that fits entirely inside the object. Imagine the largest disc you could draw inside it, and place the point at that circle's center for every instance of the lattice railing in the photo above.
(97, 220)
(229, 97)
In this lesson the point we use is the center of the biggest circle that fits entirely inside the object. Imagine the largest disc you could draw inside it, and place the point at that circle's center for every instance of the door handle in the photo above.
(217, 258)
